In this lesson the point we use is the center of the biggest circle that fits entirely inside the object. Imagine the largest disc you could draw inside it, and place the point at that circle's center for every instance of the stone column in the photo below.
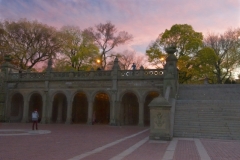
(117, 112)
(114, 89)
(141, 114)
(50, 110)
(113, 109)
(90, 112)
(160, 119)
(69, 111)
(44, 108)
(60, 108)
(114, 113)
(25, 109)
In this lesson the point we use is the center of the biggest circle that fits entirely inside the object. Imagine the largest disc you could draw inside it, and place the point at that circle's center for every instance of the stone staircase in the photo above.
(208, 111)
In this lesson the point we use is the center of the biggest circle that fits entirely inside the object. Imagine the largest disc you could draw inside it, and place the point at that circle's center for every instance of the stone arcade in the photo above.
(115, 97)
(123, 97)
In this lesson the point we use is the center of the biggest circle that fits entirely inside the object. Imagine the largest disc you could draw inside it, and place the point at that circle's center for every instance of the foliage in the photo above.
(106, 38)
(187, 42)
(78, 51)
(183, 37)
(203, 65)
(155, 55)
(29, 43)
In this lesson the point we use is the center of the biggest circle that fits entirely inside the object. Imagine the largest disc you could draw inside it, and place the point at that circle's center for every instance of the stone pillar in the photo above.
(69, 111)
(2, 96)
(112, 114)
(114, 89)
(90, 113)
(50, 110)
(171, 72)
(44, 108)
(141, 114)
(113, 109)
(5, 68)
(117, 112)
(160, 119)
(60, 108)
(25, 109)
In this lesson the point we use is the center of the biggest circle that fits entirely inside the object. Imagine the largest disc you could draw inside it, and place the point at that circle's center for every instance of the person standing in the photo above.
(35, 117)
(133, 66)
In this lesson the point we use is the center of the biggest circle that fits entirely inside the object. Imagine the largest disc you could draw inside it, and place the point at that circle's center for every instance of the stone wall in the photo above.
(210, 111)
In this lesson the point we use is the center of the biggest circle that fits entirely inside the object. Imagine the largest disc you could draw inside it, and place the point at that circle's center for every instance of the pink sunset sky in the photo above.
(144, 19)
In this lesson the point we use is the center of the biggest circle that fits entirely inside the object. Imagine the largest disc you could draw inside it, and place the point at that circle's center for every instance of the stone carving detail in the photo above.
(159, 120)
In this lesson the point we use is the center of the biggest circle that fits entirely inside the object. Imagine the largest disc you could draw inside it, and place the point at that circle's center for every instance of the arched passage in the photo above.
(80, 108)
(35, 102)
(148, 99)
(16, 110)
(59, 109)
(129, 109)
(101, 109)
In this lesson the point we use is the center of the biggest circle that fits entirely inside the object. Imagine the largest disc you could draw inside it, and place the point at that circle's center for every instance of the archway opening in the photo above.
(35, 103)
(129, 111)
(148, 99)
(16, 110)
(101, 109)
(80, 108)
(59, 109)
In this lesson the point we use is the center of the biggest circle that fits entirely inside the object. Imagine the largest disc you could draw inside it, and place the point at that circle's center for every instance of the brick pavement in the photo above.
(102, 142)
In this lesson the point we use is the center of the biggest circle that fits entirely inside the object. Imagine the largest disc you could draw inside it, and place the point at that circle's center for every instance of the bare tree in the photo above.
(126, 59)
(29, 43)
(227, 49)
(107, 37)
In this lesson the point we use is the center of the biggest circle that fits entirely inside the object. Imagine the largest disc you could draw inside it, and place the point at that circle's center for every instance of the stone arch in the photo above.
(93, 95)
(35, 102)
(129, 108)
(16, 107)
(148, 97)
(80, 107)
(59, 107)
(101, 107)
(128, 90)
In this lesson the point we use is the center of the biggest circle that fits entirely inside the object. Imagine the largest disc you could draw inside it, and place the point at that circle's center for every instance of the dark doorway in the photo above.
(16, 110)
(35, 103)
(101, 109)
(59, 109)
(80, 108)
(129, 111)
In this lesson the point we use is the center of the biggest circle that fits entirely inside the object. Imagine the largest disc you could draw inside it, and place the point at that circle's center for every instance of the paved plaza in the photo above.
(104, 142)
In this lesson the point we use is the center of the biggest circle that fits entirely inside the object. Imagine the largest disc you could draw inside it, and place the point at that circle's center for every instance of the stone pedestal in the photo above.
(160, 119)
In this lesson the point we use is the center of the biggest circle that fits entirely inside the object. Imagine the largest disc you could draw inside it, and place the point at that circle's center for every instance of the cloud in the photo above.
(144, 19)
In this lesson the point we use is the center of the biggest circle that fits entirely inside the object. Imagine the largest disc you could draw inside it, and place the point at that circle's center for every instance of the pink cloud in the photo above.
(144, 19)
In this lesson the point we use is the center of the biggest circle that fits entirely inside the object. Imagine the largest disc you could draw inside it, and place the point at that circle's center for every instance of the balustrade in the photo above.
(122, 74)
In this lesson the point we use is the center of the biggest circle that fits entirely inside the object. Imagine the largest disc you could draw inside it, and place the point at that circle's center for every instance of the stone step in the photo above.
(201, 124)
(201, 116)
(210, 136)
(217, 128)
(202, 129)
(200, 119)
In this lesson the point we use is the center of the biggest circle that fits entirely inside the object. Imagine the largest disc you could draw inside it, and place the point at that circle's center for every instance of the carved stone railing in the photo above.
(122, 74)
(141, 73)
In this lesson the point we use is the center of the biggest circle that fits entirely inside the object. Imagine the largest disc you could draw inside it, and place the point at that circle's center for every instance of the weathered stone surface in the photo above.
(208, 111)
(160, 123)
